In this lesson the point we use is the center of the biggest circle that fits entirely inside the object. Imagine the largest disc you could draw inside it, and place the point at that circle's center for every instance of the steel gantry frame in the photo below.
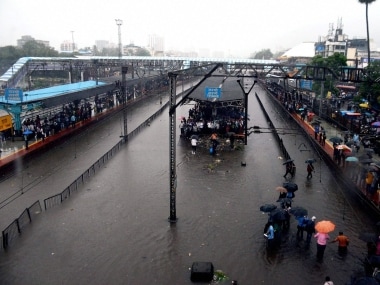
(240, 71)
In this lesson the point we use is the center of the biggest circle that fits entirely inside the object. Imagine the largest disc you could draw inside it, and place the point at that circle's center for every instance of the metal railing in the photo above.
(16, 227)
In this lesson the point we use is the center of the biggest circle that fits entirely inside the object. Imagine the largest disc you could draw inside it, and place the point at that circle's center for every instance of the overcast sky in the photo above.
(237, 27)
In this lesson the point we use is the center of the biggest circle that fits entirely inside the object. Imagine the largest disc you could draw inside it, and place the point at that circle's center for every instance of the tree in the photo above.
(33, 48)
(366, 2)
(334, 63)
(263, 54)
(370, 89)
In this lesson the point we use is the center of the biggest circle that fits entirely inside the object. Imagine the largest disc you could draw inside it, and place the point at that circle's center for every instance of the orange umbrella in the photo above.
(324, 227)
(281, 189)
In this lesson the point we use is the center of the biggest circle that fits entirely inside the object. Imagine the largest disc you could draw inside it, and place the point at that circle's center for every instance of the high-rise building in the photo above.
(68, 46)
(102, 44)
(156, 45)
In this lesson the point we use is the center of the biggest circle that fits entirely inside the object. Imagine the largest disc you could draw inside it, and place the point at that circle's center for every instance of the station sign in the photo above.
(306, 84)
(13, 94)
(213, 92)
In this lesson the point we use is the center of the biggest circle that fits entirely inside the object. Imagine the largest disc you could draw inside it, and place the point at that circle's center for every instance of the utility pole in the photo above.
(72, 40)
(119, 23)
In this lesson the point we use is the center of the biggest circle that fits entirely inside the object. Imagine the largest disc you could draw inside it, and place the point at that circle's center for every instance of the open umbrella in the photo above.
(310, 160)
(366, 281)
(288, 161)
(281, 189)
(298, 211)
(194, 137)
(368, 237)
(267, 208)
(369, 150)
(315, 123)
(27, 132)
(352, 159)
(344, 147)
(277, 215)
(290, 186)
(366, 161)
(336, 140)
(376, 124)
(324, 227)
(364, 105)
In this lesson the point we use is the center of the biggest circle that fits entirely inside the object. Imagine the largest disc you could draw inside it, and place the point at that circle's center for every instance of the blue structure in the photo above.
(16, 101)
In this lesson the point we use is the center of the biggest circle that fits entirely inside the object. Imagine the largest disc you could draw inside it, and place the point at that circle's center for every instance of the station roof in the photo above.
(51, 92)
(229, 90)
(303, 50)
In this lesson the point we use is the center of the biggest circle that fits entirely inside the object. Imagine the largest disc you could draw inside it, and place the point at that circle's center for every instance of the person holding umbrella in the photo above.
(290, 168)
(322, 236)
(310, 230)
(322, 239)
(309, 169)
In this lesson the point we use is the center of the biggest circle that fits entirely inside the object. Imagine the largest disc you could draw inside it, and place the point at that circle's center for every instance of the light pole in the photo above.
(119, 23)
(72, 38)
(246, 107)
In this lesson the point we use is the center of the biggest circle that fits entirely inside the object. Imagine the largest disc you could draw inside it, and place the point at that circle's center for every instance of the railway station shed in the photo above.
(17, 102)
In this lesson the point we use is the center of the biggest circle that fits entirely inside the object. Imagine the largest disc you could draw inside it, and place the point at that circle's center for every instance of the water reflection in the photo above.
(115, 231)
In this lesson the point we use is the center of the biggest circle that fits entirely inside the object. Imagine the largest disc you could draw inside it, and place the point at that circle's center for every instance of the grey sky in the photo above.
(238, 27)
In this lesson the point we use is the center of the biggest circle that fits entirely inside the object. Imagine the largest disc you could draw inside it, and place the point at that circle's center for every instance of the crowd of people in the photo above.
(42, 126)
(207, 121)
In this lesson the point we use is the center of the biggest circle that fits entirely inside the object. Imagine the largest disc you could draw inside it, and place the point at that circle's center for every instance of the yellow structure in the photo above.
(5, 121)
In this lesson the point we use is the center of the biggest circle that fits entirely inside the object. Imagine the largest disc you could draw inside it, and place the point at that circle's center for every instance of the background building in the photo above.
(156, 45)
(27, 38)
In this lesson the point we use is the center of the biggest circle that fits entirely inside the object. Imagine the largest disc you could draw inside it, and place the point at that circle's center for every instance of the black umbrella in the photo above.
(368, 237)
(315, 123)
(366, 160)
(310, 160)
(277, 215)
(267, 208)
(298, 211)
(337, 140)
(285, 200)
(366, 281)
(288, 161)
(194, 137)
(290, 186)
(350, 143)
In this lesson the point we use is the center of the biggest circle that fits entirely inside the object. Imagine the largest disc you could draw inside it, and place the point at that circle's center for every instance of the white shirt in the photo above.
(194, 142)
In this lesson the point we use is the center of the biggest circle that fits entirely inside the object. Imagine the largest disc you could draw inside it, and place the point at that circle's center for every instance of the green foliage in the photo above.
(334, 63)
(142, 52)
(33, 48)
(370, 89)
(263, 54)
(10, 54)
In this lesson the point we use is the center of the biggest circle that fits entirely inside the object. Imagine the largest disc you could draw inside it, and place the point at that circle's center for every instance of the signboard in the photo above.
(306, 84)
(213, 92)
(13, 94)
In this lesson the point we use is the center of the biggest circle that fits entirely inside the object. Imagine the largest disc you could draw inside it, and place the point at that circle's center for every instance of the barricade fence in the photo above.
(12, 231)
(98, 165)
(16, 227)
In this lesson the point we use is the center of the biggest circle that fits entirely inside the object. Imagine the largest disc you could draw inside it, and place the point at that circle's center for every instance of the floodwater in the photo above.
(116, 230)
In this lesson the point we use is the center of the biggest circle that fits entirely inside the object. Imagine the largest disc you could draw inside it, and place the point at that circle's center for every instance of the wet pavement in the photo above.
(115, 230)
